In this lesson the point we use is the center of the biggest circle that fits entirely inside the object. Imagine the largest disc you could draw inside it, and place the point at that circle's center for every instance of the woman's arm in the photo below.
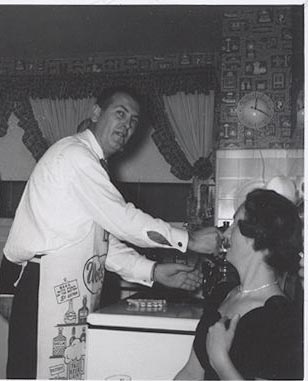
(227, 371)
(218, 344)
(192, 369)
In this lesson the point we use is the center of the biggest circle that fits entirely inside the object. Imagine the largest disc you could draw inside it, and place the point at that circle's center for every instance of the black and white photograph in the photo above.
(152, 219)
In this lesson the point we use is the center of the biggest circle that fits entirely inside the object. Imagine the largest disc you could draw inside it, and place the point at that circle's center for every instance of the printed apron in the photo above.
(70, 286)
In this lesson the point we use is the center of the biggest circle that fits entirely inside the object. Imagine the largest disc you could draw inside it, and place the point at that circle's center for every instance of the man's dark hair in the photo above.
(105, 97)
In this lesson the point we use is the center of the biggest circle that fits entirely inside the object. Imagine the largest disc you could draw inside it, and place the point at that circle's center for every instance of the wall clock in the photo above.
(255, 110)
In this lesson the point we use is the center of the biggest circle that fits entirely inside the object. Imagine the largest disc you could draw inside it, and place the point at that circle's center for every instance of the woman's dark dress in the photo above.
(268, 341)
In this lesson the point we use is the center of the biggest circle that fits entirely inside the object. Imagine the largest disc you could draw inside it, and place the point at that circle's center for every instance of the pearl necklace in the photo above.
(258, 288)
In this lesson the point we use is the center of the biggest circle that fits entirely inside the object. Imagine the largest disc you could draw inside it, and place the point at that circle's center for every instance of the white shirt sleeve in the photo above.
(104, 203)
(126, 262)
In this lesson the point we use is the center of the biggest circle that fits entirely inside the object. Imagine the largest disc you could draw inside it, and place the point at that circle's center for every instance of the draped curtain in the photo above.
(191, 117)
(58, 118)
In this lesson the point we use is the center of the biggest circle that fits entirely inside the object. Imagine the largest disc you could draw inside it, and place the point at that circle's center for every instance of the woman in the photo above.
(256, 332)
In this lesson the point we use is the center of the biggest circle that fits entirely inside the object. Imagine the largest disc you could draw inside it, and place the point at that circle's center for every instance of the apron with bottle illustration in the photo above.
(70, 285)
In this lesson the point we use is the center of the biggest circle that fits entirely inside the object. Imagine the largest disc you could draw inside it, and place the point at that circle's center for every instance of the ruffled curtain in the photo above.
(58, 118)
(191, 117)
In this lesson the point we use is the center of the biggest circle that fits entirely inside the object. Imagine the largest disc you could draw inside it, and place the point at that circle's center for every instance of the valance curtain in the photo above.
(16, 92)
(58, 118)
(191, 117)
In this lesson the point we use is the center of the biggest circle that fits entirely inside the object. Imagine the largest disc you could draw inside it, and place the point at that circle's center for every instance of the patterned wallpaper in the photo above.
(104, 63)
(256, 55)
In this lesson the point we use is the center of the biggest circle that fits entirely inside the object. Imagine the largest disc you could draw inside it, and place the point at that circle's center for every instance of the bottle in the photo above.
(225, 226)
(73, 337)
(83, 335)
(70, 315)
(83, 312)
(59, 344)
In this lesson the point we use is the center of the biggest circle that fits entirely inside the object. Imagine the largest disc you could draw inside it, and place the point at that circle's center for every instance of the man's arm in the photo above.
(103, 202)
(136, 268)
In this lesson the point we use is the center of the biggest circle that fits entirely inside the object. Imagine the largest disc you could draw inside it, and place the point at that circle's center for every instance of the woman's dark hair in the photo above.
(274, 224)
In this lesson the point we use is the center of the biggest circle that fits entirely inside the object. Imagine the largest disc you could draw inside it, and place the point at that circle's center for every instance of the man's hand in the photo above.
(205, 240)
(178, 276)
(6, 302)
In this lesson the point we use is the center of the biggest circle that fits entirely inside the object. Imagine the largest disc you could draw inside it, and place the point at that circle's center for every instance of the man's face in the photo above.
(117, 123)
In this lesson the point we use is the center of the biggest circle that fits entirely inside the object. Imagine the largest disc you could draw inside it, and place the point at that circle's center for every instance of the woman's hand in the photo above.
(219, 340)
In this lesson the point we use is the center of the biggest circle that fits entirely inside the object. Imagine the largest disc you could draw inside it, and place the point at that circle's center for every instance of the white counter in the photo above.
(131, 344)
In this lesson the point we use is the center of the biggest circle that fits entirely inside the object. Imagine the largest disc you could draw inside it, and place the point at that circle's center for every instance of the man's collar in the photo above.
(91, 139)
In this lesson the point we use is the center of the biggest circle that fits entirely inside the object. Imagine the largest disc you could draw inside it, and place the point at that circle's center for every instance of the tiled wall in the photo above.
(239, 171)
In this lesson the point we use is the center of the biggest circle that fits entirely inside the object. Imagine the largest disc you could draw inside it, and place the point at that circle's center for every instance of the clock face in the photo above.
(255, 110)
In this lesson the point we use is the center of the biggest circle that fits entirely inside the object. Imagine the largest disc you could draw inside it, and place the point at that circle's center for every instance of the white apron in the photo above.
(70, 285)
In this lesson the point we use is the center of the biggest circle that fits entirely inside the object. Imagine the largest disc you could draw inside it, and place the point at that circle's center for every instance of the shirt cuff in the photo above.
(145, 269)
(180, 239)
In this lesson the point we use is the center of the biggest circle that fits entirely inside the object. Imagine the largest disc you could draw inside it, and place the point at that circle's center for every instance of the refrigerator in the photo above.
(141, 339)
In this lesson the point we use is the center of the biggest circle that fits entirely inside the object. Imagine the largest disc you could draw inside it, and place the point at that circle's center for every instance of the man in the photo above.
(70, 216)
